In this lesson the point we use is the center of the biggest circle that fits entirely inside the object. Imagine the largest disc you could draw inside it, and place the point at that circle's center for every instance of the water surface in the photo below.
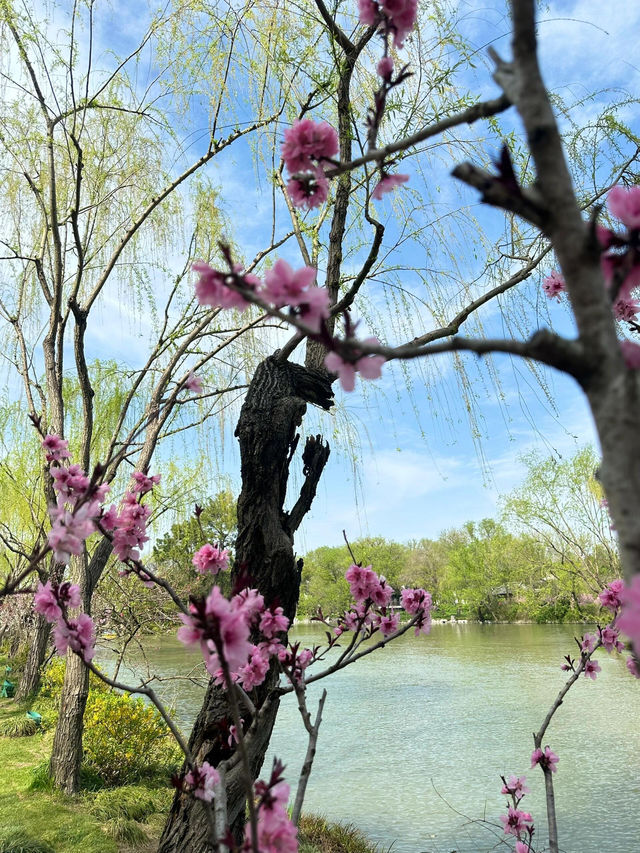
(414, 737)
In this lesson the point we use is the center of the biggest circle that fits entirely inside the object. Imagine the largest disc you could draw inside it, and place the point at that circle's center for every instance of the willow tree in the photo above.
(97, 188)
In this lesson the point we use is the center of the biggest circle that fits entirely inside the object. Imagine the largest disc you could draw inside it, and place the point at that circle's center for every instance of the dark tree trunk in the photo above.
(274, 407)
(38, 633)
(66, 752)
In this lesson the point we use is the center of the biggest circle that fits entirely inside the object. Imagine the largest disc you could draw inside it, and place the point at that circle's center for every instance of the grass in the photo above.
(36, 819)
(318, 835)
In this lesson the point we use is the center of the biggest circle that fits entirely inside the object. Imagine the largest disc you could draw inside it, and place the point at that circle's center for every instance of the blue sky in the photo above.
(417, 465)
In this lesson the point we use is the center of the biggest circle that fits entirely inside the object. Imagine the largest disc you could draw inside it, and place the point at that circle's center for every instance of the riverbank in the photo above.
(125, 819)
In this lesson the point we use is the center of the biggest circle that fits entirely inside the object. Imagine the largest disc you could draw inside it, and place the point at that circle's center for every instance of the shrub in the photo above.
(14, 840)
(18, 726)
(53, 677)
(318, 835)
(131, 802)
(125, 830)
(126, 740)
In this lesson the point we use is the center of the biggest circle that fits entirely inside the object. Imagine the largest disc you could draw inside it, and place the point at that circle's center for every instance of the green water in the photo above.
(414, 738)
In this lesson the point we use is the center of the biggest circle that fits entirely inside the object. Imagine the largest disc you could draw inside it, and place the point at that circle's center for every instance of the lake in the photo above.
(415, 736)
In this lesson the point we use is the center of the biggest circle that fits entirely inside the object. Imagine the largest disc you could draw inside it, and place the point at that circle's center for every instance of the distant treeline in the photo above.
(546, 560)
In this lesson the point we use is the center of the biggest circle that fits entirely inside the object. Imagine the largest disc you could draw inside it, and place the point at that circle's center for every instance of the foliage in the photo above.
(173, 553)
(53, 678)
(16, 841)
(318, 835)
(126, 740)
(129, 801)
(544, 561)
(18, 726)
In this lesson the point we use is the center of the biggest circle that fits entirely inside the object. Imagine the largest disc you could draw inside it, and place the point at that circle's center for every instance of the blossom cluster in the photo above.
(77, 633)
(76, 515)
(517, 822)
(308, 146)
(276, 832)
(223, 627)
(282, 286)
(619, 262)
(392, 17)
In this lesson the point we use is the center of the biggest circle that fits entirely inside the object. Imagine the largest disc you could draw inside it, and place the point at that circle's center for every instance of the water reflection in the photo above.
(415, 737)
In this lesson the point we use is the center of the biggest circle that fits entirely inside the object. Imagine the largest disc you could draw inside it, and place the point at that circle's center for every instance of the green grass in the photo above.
(318, 835)
(35, 819)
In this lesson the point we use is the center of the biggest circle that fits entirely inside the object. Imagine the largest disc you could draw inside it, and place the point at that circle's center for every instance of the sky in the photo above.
(417, 466)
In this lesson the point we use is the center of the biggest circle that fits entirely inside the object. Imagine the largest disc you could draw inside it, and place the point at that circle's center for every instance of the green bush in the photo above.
(18, 726)
(53, 677)
(14, 840)
(126, 740)
(125, 830)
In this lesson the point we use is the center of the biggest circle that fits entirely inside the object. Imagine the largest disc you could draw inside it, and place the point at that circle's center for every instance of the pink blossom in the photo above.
(380, 592)
(610, 595)
(402, 16)
(212, 287)
(203, 780)
(130, 532)
(193, 383)
(414, 600)
(625, 309)
(76, 634)
(629, 618)
(522, 847)
(624, 203)
(389, 624)
(361, 580)
(254, 672)
(45, 602)
(548, 758)
(285, 286)
(368, 11)
(272, 622)
(516, 786)
(232, 627)
(515, 821)
(142, 483)
(369, 366)
(250, 602)
(588, 643)
(306, 143)
(609, 638)
(632, 666)
(309, 190)
(211, 559)
(69, 483)
(385, 67)
(68, 531)
(387, 184)
(591, 669)
(55, 448)
(276, 833)
(553, 285)
(314, 308)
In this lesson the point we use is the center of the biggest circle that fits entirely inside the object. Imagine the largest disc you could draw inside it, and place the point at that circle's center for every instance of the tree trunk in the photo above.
(66, 752)
(274, 407)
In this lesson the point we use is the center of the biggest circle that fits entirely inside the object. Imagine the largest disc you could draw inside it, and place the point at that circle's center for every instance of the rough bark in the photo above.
(66, 752)
(274, 407)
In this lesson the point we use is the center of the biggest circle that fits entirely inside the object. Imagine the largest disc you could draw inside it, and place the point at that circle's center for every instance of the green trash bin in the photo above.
(8, 689)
